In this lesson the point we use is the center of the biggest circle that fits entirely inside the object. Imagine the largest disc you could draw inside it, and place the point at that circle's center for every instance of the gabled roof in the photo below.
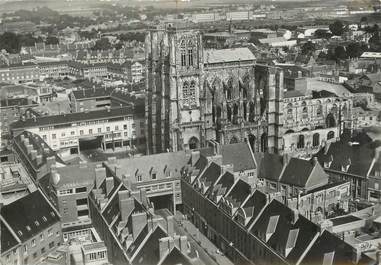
(149, 253)
(239, 155)
(271, 167)
(175, 257)
(27, 217)
(289, 233)
(358, 156)
(240, 191)
(300, 172)
(222, 186)
(328, 246)
(254, 205)
(211, 174)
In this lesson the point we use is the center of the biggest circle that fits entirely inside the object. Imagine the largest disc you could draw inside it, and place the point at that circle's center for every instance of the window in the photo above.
(83, 213)
(153, 175)
(35, 255)
(42, 250)
(42, 237)
(99, 130)
(44, 137)
(36, 223)
(116, 127)
(139, 178)
(79, 190)
(54, 136)
(81, 132)
(190, 56)
(125, 133)
(182, 53)
(90, 131)
(125, 126)
(33, 242)
(25, 249)
(63, 134)
(51, 244)
(72, 132)
(108, 129)
(82, 201)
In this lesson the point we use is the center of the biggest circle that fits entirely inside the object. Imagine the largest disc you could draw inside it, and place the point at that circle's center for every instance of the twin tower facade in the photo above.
(195, 95)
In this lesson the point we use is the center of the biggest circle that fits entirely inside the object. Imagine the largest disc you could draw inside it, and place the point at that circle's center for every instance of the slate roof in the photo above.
(293, 94)
(211, 174)
(74, 175)
(239, 193)
(297, 172)
(212, 56)
(281, 238)
(359, 155)
(271, 167)
(164, 165)
(239, 155)
(254, 205)
(222, 186)
(27, 217)
(149, 254)
(73, 117)
(175, 257)
(329, 245)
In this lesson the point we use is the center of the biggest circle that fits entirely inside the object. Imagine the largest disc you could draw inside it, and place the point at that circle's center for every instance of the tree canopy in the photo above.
(337, 28)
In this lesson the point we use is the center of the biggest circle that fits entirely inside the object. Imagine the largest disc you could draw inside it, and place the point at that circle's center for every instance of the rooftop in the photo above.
(74, 117)
(212, 56)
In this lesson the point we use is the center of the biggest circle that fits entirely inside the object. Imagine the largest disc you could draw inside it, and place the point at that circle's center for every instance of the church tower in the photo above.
(174, 76)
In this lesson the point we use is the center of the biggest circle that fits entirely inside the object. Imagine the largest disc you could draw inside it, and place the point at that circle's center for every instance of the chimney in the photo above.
(139, 221)
(29, 148)
(295, 216)
(22, 137)
(217, 148)
(100, 175)
(126, 207)
(50, 161)
(325, 225)
(315, 161)
(286, 159)
(109, 185)
(183, 244)
(300, 74)
(378, 257)
(33, 154)
(39, 159)
(170, 228)
(195, 155)
(163, 246)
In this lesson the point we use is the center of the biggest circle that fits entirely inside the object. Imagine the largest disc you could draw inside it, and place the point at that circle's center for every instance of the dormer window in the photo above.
(153, 176)
(139, 178)
(36, 223)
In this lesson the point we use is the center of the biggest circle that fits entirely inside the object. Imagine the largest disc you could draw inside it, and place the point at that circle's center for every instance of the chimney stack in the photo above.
(378, 257)
(170, 226)
(38, 159)
(139, 221)
(126, 207)
(109, 185)
(195, 157)
(100, 175)
(33, 154)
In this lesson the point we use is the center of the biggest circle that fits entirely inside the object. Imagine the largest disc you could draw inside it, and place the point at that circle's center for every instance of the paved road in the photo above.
(206, 249)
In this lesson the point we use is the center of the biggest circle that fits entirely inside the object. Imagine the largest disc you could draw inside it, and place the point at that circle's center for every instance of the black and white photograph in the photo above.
(190, 132)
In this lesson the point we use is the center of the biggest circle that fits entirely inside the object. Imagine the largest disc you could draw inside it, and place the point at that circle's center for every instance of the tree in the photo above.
(51, 40)
(308, 48)
(354, 49)
(10, 42)
(102, 44)
(337, 28)
(340, 53)
(322, 34)
(364, 20)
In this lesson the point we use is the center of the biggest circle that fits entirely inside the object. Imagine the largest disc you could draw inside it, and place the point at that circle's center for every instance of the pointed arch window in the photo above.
(190, 53)
(183, 53)
(189, 93)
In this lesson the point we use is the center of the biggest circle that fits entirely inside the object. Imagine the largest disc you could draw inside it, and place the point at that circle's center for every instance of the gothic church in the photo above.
(195, 95)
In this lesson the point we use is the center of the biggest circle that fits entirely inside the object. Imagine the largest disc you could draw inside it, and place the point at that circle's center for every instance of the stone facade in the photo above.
(194, 97)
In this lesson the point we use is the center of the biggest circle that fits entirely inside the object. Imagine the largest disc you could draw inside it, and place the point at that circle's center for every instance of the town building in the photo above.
(87, 71)
(15, 183)
(132, 233)
(59, 69)
(101, 98)
(314, 119)
(68, 188)
(351, 159)
(252, 227)
(35, 154)
(30, 230)
(131, 71)
(215, 94)
(69, 133)
(19, 73)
